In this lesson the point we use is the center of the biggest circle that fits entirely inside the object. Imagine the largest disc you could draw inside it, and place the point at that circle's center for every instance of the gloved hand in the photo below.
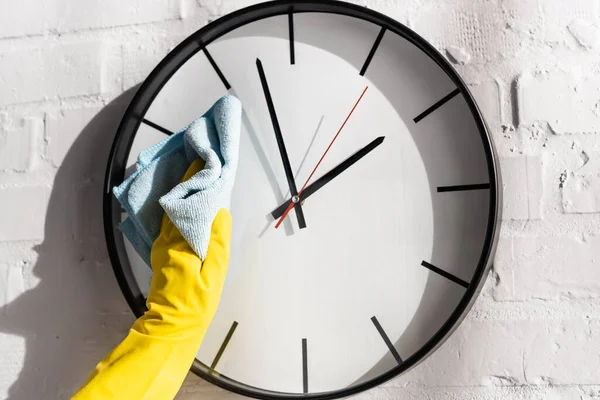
(153, 360)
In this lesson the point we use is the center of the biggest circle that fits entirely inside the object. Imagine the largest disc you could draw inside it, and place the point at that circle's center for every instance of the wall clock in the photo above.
(386, 249)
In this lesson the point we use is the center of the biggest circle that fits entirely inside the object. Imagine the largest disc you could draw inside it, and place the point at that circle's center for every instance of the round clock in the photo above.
(385, 249)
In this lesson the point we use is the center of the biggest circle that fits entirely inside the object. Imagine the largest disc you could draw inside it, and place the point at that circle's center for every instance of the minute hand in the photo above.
(280, 144)
(328, 177)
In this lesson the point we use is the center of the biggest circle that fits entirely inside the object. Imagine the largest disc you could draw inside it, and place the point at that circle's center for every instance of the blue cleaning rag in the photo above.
(155, 185)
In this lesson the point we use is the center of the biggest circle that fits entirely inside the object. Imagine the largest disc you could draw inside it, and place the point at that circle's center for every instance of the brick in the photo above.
(488, 97)
(559, 14)
(76, 15)
(62, 129)
(581, 189)
(24, 212)
(139, 59)
(523, 187)
(227, 6)
(512, 353)
(471, 357)
(473, 393)
(215, 7)
(26, 17)
(396, 9)
(563, 353)
(548, 268)
(482, 29)
(18, 252)
(489, 309)
(31, 17)
(523, 21)
(12, 348)
(59, 71)
(12, 283)
(586, 34)
(19, 139)
(87, 221)
(567, 101)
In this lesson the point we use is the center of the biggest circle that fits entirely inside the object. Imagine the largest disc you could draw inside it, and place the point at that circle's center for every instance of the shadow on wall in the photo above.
(76, 314)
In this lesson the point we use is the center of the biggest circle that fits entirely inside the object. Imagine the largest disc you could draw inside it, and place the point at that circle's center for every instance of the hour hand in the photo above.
(280, 143)
(328, 177)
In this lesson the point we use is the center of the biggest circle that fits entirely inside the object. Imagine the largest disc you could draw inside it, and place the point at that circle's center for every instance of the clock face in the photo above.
(389, 243)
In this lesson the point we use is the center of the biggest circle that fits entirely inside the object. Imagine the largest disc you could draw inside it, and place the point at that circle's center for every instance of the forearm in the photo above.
(143, 366)
(153, 360)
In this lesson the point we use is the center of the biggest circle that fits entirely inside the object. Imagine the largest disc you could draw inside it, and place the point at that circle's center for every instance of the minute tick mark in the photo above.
(224, 345)
(463, 188)
(445, 274)
(215, 67)
(387, 340)
(292, 44)
(157, 127)
(363, 71)
(304, 366)
(437, 105)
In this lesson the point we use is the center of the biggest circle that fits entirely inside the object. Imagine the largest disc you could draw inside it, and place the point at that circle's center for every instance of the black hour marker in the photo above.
(157, 127)
(292, 44)
(387, 341)
(437, 105)
(462, 188)
(216, 67)
(304, 367)
(445, 274)
(372, 52)
(224, 345)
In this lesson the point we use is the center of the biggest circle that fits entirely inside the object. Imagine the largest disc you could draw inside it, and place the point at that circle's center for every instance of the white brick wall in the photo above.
(566, 100)
(58, 71)
(534, 67)
(20, 143)
(24, 207)
(31, 17)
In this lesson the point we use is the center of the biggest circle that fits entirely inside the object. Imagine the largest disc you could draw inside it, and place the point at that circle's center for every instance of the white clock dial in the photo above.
(381, 255)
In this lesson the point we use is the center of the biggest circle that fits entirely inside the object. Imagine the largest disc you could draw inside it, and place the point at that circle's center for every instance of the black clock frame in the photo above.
(115, 174)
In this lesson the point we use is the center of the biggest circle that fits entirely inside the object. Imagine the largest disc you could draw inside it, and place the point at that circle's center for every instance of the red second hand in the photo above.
(287, 211)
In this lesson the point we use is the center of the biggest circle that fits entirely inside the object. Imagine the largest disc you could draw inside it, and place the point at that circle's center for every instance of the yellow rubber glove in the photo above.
(153, 360)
